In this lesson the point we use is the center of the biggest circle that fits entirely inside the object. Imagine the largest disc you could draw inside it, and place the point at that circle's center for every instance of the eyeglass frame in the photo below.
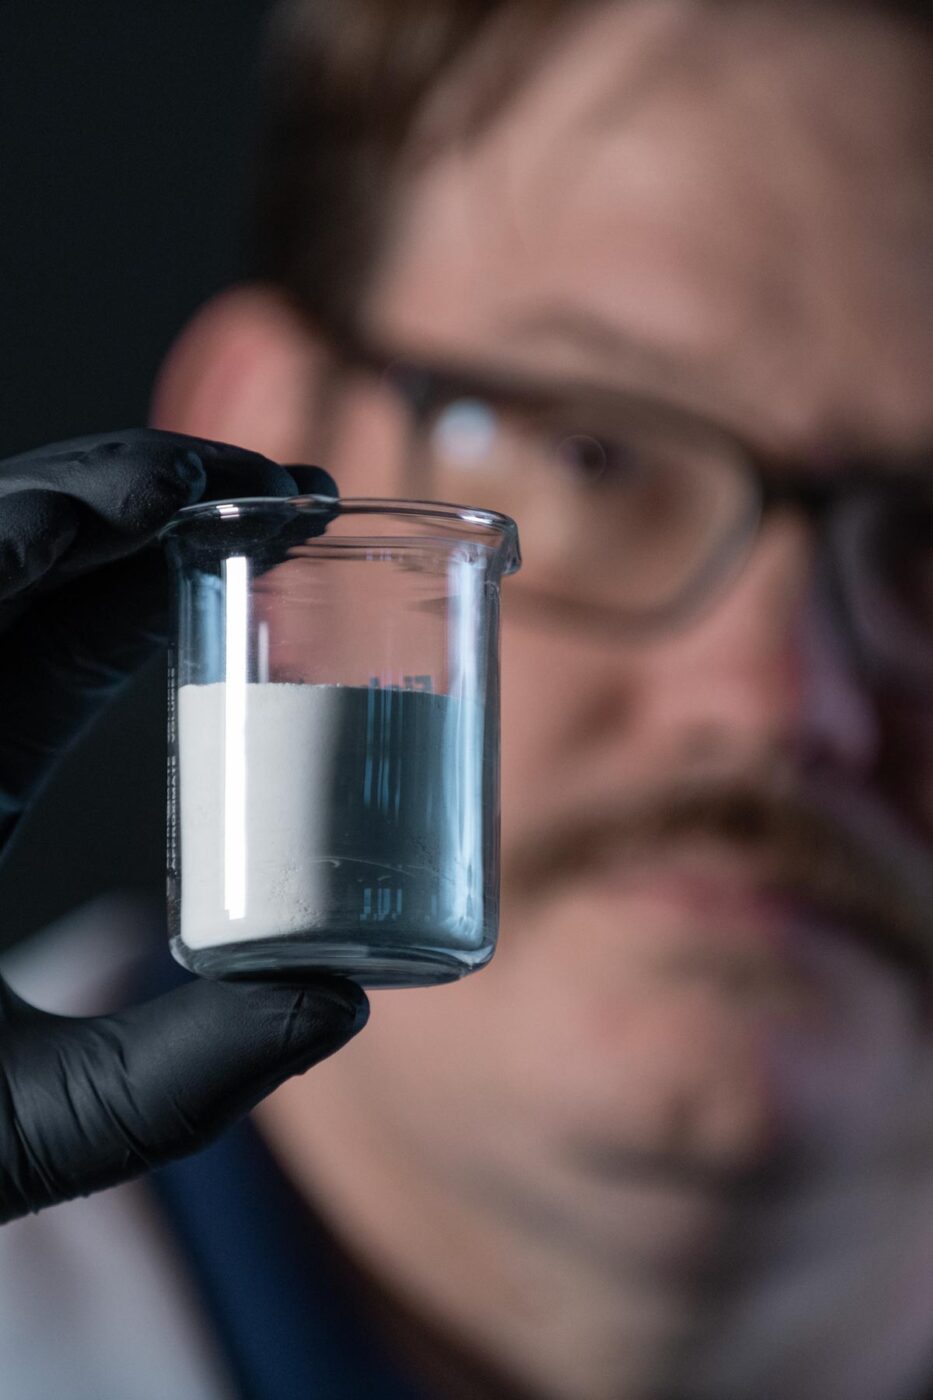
(812, 485)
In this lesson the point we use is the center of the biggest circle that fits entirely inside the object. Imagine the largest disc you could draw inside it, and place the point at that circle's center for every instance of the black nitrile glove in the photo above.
(85, 1103)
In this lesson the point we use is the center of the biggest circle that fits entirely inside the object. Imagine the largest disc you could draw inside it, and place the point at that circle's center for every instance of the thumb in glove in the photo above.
(86, 1103)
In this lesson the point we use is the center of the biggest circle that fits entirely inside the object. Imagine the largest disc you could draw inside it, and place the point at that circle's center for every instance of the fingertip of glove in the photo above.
(189, 468)
(312, 481)
(217, 471)
(361, 1013)
(341, 992)
(304, 998)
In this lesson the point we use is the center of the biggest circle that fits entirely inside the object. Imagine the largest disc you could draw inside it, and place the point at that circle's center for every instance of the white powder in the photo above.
(330, 809)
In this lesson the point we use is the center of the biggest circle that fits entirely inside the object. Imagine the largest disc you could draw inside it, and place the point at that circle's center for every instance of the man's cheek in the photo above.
(847, 1081)
(604, 1039)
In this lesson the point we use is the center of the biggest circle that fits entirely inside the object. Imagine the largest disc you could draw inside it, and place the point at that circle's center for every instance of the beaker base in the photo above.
(279, 959)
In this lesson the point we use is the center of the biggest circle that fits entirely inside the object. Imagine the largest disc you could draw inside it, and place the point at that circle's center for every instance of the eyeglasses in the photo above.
(633, 515)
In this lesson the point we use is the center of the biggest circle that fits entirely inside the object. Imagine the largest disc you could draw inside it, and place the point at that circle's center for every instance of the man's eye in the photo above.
(593, 460)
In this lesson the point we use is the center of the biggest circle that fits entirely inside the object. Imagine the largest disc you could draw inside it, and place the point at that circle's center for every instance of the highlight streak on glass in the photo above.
(262, 647)
(236, 595)
(467, 683)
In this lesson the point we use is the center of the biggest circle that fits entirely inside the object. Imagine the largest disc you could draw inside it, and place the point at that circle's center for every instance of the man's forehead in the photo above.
(741, 200)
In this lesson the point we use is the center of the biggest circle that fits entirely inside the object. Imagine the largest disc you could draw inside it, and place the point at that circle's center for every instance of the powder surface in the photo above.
(330, 810)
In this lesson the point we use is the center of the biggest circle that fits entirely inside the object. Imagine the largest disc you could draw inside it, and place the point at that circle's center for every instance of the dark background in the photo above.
(126, 134)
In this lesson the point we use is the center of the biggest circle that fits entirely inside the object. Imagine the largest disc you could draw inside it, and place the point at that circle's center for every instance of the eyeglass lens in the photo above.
(646, 517)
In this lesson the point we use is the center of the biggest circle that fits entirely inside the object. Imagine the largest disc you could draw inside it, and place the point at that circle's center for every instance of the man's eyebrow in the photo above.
(596, 336)
(610, 354)
(683, 379)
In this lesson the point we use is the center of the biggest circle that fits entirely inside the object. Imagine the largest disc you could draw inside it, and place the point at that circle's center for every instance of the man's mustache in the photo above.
(866, 875)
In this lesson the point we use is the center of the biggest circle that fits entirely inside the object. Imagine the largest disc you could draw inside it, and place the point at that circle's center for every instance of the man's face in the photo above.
(730, 212)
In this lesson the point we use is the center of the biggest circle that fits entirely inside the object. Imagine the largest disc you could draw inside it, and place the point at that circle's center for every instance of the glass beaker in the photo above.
(334, 737)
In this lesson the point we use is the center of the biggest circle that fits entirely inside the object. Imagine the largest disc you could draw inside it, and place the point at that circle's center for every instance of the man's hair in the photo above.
(344, 82)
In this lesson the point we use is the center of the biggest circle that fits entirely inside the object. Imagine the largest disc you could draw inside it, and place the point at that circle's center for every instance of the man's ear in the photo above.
(244, 370)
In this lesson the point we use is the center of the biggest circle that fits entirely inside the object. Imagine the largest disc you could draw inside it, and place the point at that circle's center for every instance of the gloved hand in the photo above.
(85, 1103)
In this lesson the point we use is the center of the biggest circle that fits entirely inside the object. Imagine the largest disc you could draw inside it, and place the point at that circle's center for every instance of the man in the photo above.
(655, 279)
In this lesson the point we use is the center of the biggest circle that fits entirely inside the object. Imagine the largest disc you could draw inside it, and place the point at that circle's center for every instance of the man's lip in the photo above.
(733, 899)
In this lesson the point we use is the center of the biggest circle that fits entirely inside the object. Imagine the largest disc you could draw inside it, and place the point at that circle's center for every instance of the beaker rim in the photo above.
(475, 519)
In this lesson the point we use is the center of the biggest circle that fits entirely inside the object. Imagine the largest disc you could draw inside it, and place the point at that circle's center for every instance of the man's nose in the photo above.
(767, 674)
